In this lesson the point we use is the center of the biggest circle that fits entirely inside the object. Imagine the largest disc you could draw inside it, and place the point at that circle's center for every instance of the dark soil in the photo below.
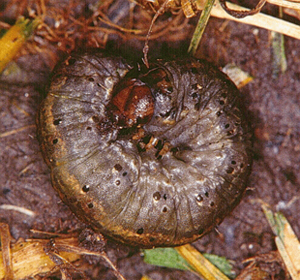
(273, 103)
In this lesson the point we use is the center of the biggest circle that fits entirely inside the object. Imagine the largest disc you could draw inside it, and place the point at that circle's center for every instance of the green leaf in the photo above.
(167, 257)
(221, 263)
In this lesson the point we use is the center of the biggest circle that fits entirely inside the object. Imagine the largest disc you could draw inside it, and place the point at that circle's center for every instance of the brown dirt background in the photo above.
(273, 104)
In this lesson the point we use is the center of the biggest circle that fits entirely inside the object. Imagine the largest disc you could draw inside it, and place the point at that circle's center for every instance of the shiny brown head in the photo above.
(132, 104)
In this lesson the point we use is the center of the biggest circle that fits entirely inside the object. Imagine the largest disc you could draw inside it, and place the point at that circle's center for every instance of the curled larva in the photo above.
(152, 157)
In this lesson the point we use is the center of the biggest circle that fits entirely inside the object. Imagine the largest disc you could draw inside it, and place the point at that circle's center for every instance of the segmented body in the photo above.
(164, 179)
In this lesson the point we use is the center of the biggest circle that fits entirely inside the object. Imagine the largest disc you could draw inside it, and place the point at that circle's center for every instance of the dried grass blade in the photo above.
(6, 258)
(286, 241)
(200, 263)
(286, 4)
(260, 20)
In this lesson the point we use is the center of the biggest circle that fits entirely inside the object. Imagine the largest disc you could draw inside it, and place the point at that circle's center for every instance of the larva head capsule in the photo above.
(132, 104)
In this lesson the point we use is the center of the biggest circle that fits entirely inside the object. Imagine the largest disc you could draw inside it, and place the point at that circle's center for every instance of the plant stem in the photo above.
(205, 14)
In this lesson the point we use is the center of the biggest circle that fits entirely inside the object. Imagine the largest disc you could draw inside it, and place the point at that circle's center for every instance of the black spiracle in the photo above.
(153, 157)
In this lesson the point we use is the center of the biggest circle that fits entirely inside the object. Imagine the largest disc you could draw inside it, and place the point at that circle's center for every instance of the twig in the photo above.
(107, 21)
(243, 13)
(82, 251)
(146, 47)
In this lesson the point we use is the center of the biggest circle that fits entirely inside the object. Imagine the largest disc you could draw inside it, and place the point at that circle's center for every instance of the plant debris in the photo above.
(31, 257)
(14, 38)
(273, 106)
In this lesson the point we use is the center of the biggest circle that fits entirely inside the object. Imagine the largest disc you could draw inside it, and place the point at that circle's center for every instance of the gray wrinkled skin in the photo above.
(131, 194)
